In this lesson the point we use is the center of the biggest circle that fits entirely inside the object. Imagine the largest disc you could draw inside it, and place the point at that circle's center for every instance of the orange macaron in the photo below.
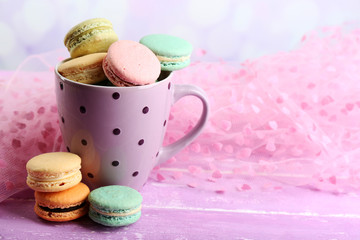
(62, 206)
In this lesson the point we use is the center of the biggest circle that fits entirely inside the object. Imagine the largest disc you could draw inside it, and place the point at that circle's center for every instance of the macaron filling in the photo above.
(120, 213)
(86, 35)
(35, 176)
(63, 210)
(173, 59)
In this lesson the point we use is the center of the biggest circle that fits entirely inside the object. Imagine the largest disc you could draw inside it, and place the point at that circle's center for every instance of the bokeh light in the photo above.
(232, 30)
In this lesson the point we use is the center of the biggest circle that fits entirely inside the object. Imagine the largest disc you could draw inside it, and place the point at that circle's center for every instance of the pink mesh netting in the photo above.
(288, 118)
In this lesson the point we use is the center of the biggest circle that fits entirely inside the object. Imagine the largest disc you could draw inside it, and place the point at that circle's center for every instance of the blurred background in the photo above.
(231, 30)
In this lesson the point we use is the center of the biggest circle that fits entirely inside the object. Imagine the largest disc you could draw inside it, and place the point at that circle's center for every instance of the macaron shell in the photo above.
(131, 62)
(167, 45)
(114, 79)
(73, 196)
(112, 221)
(61, 216)
(115, 198)
(94, 42)
(53, 165)
(85, 69)
(54, 186)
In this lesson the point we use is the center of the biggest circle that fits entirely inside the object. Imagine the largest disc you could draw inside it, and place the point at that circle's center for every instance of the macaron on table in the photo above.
(53, 172)
(115, 205)
(62, 206)
(218, 187)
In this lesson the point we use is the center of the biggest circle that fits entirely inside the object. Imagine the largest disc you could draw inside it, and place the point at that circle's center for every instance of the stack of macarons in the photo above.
(98, 57)
(87, 43)
(61, 196)
(59, 193)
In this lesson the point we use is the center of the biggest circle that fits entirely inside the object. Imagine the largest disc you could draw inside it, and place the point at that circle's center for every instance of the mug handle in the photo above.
(166, 152)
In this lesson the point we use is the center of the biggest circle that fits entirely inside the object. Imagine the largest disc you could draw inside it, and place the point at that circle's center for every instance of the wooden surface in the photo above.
(180, 212)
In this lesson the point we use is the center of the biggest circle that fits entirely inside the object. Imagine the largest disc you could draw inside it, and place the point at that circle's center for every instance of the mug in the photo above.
(118, 131)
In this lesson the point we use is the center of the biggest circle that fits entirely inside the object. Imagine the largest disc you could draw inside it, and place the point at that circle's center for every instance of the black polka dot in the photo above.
(145, 110)
(169, 85)
(116, 131)
(68, 149)
(90, 175)
(116, 95)
(115, 163)
(164, 123)
(61, 86)
(82, 109)
(141, 142)
(83, 142)
(62, 119)
(135, 174)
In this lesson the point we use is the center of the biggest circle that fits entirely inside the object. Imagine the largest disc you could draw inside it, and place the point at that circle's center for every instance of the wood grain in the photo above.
(178, 212)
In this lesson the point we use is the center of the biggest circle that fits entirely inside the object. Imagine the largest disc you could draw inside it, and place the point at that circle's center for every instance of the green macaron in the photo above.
(173, 52)
(115, 205)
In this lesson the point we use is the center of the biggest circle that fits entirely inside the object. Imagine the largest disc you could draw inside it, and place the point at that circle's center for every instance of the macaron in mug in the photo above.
(118, 131)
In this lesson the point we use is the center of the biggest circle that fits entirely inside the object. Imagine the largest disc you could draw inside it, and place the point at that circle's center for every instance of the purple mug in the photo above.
(118, 131)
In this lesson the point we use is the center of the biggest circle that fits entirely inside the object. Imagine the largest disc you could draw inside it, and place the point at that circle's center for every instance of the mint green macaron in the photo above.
(115, 205)
(173, 52)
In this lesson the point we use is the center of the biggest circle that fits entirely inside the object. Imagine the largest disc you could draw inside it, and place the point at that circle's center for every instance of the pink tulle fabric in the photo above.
(289, 118)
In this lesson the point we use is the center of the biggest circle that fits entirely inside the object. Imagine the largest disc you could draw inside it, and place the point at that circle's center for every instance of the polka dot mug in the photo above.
(118, 131)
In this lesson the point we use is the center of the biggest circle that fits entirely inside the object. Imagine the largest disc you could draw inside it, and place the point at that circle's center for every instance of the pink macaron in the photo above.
(130, 63)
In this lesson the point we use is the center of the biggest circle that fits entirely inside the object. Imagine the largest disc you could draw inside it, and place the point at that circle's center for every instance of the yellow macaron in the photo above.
(62, 206)
(53, 172)
(90, 36)
(85, 69)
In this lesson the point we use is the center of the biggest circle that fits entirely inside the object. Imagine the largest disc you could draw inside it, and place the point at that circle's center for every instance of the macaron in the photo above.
(85, 69)
(62, 206)
(53, 172)
(90, 36)
(173, 52)
(130, 63)
(115, 205)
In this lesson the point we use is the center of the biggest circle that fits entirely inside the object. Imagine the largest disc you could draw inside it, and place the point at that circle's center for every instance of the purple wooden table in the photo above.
(181, 212)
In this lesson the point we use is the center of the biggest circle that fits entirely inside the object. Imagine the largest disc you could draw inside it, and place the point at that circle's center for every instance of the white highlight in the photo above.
(223, 48)
(116, 14)
(7, 40)
(205, 13)
(257, 212)
(301, 16)
(39, 15)
(243, 16)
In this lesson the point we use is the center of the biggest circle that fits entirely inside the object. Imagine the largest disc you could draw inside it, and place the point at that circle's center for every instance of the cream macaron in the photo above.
(85, 69)
(53, 172)
(90, 36)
